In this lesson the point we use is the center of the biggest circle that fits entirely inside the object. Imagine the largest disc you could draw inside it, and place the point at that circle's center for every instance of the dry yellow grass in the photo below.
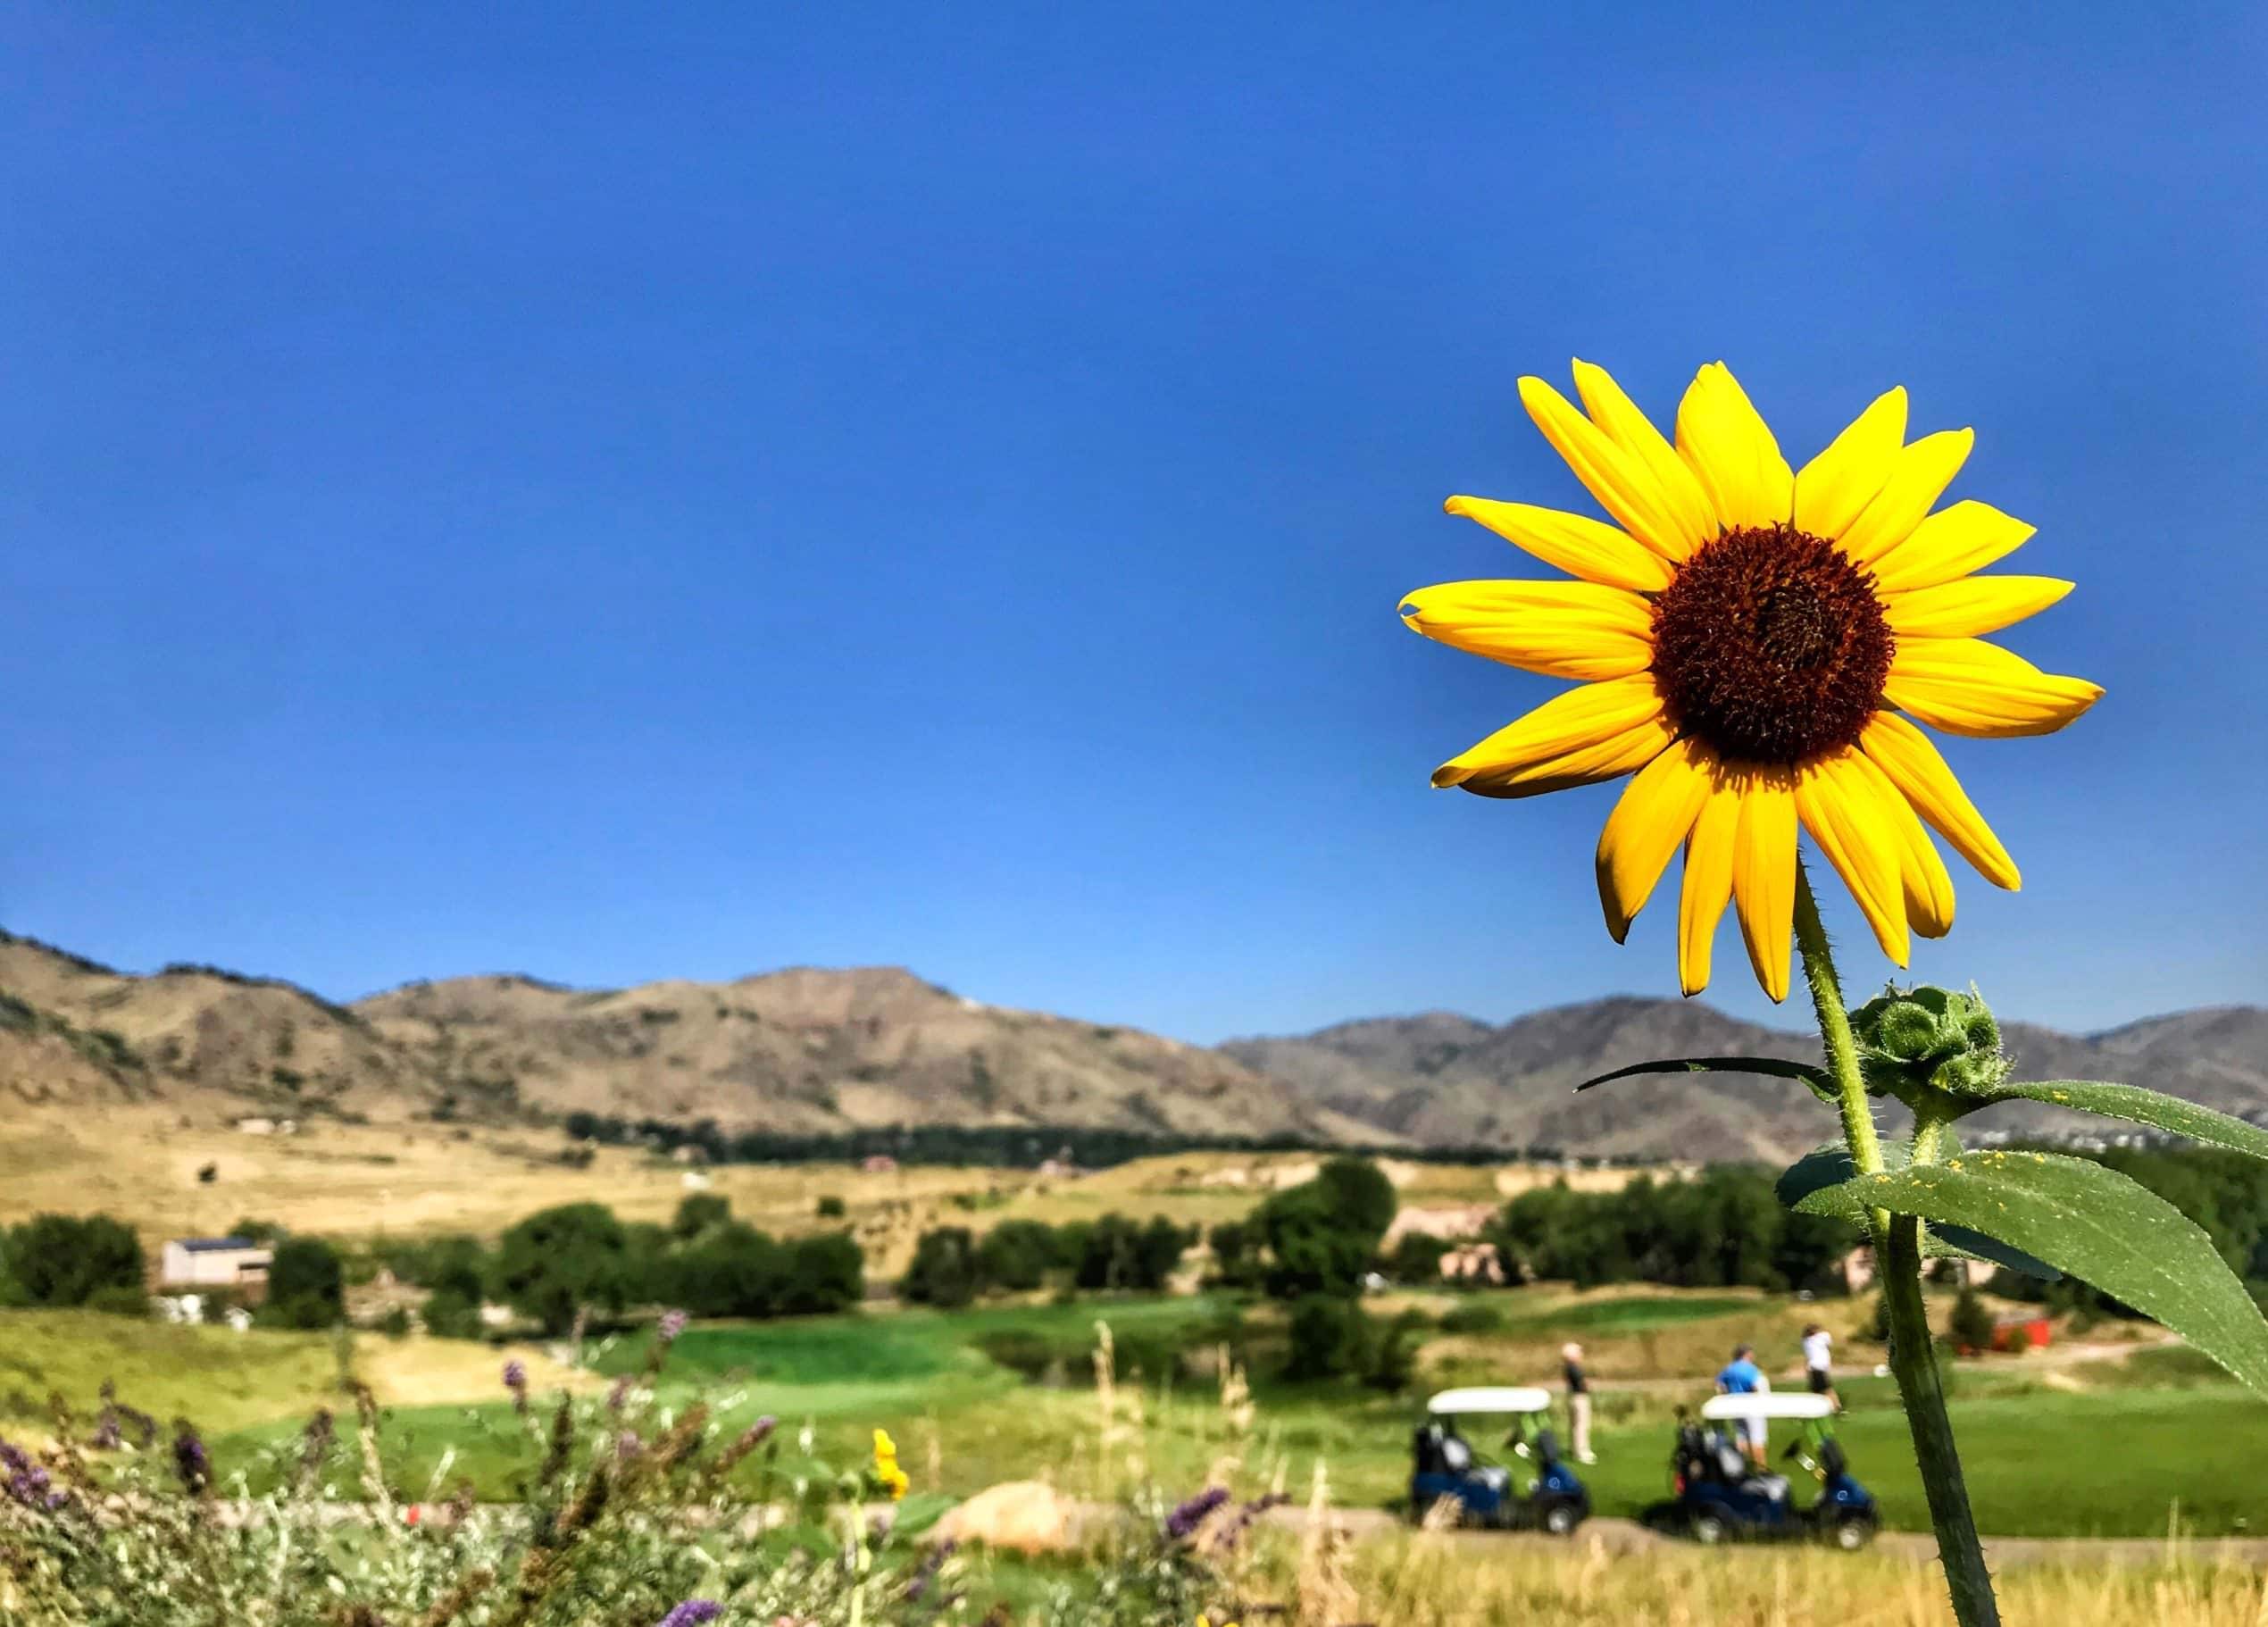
(143, 1164)
(1440, 1581)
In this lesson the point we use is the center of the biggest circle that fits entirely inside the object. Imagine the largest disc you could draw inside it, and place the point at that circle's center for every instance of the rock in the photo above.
(1029, 1516)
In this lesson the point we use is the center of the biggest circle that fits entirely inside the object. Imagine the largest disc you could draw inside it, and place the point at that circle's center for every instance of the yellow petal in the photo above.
(1833, 488)
(1972, 606)
(1621, 482)
(1963, 536)
(1657, 809)
(1913, 765)
(1928, 889)
(1580, 546)
(1610, 759)
(1562, 629)
(1708, 877)
(1542, 742)
(1919, 475)
(1763, 877)
(1685, 504)
(1837, 805)
(1726, 443)
(1965, 686)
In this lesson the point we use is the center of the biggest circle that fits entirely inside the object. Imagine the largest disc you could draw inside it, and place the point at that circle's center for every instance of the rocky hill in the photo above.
(811, 1051)
(1443, 1078)
(794, 1050)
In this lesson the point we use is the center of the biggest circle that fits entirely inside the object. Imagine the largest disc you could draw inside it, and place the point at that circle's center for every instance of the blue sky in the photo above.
(515, 488)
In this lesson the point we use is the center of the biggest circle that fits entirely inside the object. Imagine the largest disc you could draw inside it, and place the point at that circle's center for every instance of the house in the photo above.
(880, 1163)
(215, 1261)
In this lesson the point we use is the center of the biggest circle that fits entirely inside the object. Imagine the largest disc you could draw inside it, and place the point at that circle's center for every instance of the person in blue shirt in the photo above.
(1743, 1377)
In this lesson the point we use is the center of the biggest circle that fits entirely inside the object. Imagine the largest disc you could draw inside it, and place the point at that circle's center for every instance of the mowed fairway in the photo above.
(2115, 1448)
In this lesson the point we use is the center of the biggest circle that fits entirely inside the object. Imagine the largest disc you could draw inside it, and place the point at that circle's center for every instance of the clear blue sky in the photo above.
(519, 488)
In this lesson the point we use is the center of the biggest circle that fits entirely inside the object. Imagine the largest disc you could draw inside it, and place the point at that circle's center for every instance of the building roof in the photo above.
(214, 1245)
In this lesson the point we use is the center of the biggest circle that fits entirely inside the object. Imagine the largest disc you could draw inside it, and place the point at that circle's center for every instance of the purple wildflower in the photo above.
(927, 1571)
(627, 1445)
(671, 1324)
(191, 1461)
(1226, 1539)
(693, 1613)
(515, 1380)
(1185, 1519)
(27, 1482)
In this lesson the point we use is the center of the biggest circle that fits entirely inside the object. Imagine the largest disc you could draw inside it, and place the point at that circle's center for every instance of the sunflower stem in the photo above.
(1897, 1249)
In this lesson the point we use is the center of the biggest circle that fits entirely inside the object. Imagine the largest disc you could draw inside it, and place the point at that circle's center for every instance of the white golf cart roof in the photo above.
(1513, 1399)
(1767, 1406)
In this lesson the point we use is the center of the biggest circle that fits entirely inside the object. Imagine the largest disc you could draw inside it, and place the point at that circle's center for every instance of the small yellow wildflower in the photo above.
(892, 1479)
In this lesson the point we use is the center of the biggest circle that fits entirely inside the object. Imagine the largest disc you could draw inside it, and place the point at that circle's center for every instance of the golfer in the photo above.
(1818, 1348)
(1579, 1402)
(1743, 1377)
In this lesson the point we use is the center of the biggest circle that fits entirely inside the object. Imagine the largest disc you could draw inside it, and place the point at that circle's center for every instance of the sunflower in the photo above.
(1755, 645)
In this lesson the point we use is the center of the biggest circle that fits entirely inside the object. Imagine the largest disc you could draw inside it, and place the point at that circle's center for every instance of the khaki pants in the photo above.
(1578, 1423)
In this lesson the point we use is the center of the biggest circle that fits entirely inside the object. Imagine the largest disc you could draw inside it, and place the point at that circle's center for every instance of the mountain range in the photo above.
(812, 1050)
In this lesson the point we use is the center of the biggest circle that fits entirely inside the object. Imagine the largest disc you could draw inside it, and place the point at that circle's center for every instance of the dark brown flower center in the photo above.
(1770, 645)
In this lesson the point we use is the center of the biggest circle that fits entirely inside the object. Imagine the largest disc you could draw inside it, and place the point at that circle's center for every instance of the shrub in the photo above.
(1476, 1316)
(449, 1315)
(306, 1286)
(944, 1270)
(560, 1260)
(698, 1212)
(119, 1299)
(1016, 1256)
(733, 1271)
(1235, 1254)
(65, 1259)
(830, 1207)
(825, 1272)
(1330, 1338)
(1393, 1357)
(1971, 1325)
(394, 1323)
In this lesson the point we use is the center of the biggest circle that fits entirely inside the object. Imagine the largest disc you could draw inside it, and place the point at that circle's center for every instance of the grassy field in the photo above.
(355, 1181)
(228, 1380)
(2111, 1448)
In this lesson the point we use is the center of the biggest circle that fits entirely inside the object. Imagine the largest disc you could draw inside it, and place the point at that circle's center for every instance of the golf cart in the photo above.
(1540, 1493)
(1721, 1495)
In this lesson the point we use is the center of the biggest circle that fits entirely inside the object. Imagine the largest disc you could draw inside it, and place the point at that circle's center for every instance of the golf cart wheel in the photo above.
(1561, 1518)
(1709, 1530)
(1852, 1532)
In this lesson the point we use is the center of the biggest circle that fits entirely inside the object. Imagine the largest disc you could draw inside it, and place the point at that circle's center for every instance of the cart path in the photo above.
(1615, 1536)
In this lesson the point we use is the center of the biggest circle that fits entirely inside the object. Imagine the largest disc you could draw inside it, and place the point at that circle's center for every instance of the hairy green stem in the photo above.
(1897, 1255)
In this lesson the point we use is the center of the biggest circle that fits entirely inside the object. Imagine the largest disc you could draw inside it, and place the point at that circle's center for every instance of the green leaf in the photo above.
(2091, 1221)
(1772, 1066)
(1829, 1166)
(2137, 1106)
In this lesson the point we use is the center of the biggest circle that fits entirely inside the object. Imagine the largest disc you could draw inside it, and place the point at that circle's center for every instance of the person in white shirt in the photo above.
(1818, 1346)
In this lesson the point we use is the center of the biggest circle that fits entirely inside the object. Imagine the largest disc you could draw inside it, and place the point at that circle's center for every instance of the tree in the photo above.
(734, 1271)
(258, 1231)
(1329, 1339)
(1971, 1325)
(306, 1286)
(830, 1206)
(944, 1270)
(1235, 1254)
(1313, 1249)
(825, 1272)
(1016, 1256)
(560, 1260)
(696, 1213)
(1416, 1259)
(67, 1259)
(1361, 1193)
(1158, 1251)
